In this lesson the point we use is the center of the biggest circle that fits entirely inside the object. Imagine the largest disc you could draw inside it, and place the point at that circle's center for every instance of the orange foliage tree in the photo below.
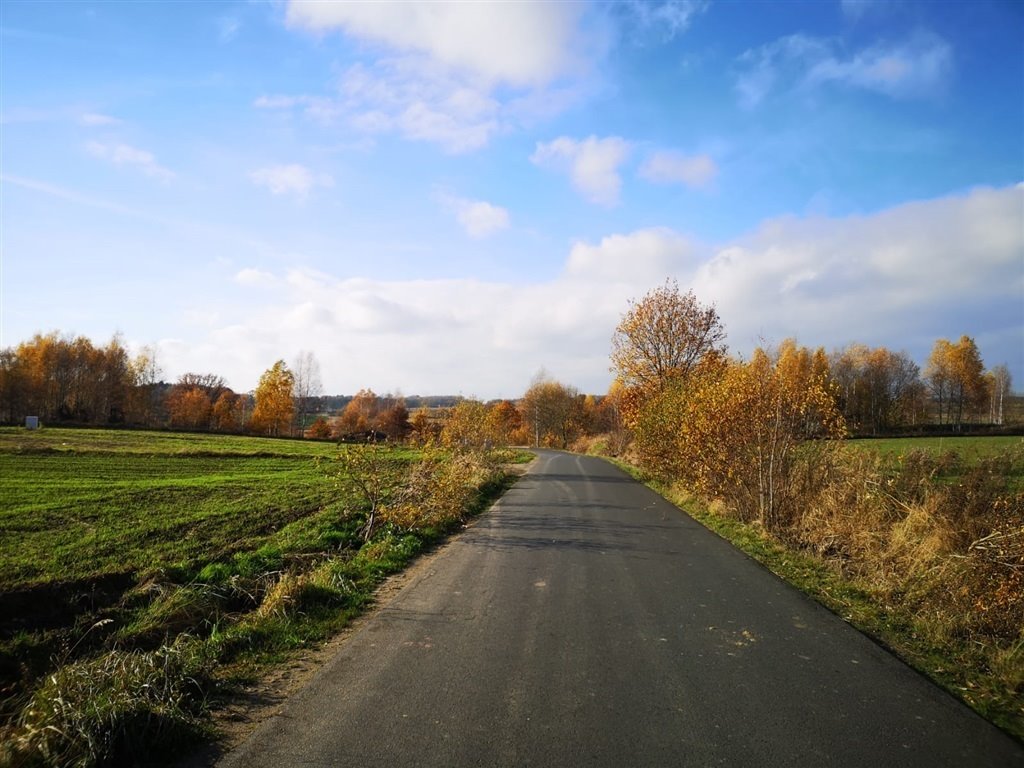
(662, 336)
(465, 425)
(272, 414)
(360, 414)
(955, 374)
(503, 422)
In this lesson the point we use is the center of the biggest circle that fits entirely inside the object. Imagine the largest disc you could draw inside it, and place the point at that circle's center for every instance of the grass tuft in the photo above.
(115, 709)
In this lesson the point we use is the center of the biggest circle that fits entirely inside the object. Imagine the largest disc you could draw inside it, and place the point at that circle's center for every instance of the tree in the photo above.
(360, 414)
(877, 389)
(955, 377)
(664, 335)
(465, 425)
(394, 422)
(189, 408)
(372, 473)
(320, 429)
(272, 414)
(938, 373)
(145, 372)
(743, 431)
(307, 385)
(190, 403)
(227, 415)
(552, 410)
(503, 421)
(998, 380)
(422, 428)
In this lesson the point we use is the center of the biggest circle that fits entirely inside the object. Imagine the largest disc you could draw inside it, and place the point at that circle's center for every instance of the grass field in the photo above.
(76, 504)
(969, 447)
(951, 459)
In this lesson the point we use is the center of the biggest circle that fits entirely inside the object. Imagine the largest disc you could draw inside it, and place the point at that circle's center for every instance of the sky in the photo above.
(446, 198)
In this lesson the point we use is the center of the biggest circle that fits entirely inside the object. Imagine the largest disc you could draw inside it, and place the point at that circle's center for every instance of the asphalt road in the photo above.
(584, 621)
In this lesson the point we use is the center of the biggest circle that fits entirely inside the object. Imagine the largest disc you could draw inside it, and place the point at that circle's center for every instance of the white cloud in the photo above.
(451, 74)
(123, 154)
(477, 217)
(901, 277)
(519, 44)
(253, 276)
(592, 164)
(676, 168)
(95, 119)
(646, 256)
(668, 18)
(290, 179)
(917, 67)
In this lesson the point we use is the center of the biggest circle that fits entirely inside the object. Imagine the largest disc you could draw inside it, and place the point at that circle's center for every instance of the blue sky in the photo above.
(446, 197)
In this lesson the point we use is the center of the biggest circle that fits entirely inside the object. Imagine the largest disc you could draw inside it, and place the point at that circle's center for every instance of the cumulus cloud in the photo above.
(901, 277)
(133, 157)
(451, 74)
(519, 44)
(291, 179)
(916, 67)
(478, 218)
(675, 168)
(592, 164)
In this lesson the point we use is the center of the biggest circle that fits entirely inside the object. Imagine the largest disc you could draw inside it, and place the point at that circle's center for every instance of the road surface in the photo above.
(584, 621)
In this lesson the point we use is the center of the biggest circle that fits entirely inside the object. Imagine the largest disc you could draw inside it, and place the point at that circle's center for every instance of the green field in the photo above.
(968, 447)
(951, 460)
(76, 504)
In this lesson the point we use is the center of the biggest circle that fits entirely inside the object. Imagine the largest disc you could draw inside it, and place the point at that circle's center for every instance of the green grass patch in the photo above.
(970, 447)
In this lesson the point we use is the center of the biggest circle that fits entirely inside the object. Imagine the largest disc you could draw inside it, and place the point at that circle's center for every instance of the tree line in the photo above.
(662, 338)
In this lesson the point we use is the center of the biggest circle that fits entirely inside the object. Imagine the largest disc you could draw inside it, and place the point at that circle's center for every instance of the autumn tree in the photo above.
(274, 408)
(503, 422)
(191, 400)
(228, 413)
(394, 421)
(609, 418)
(877, 389)
(552, 411)
(13, 388)
(740, 431)
(664, 335)
(370, 472)
(145, 374)
(422, 428)
(189, 408)
(955, 377)
(360, 414)
(320, 429)
(465, 425)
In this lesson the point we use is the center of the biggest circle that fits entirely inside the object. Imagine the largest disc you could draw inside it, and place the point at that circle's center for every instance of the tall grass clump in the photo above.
(118, 708)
